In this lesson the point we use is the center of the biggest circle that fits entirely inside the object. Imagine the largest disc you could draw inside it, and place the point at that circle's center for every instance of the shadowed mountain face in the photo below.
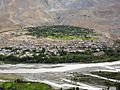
(102, 15)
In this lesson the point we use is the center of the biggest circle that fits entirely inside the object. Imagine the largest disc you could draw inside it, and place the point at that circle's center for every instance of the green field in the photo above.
(63, 37)
(25, 86)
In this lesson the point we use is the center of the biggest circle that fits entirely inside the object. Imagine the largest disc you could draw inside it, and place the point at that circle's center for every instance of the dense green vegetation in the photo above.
(24, 86)
(62, 32)
(111, 75)
(68, 58)
(62, 57)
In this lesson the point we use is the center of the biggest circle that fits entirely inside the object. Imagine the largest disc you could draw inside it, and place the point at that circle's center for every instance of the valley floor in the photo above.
(57, 75)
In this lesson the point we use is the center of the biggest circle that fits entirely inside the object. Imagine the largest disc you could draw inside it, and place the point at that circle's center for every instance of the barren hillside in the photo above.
(101, 15)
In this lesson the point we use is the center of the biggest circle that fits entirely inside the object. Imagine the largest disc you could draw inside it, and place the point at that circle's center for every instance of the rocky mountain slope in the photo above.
(101, 15)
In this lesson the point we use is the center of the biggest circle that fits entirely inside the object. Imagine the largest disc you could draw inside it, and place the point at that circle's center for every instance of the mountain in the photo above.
(101, 15)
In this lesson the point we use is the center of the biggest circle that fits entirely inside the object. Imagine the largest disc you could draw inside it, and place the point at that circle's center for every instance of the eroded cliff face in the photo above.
(102, 15)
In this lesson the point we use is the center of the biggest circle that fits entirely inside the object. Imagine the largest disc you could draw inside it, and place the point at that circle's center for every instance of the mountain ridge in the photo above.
(101, 15)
